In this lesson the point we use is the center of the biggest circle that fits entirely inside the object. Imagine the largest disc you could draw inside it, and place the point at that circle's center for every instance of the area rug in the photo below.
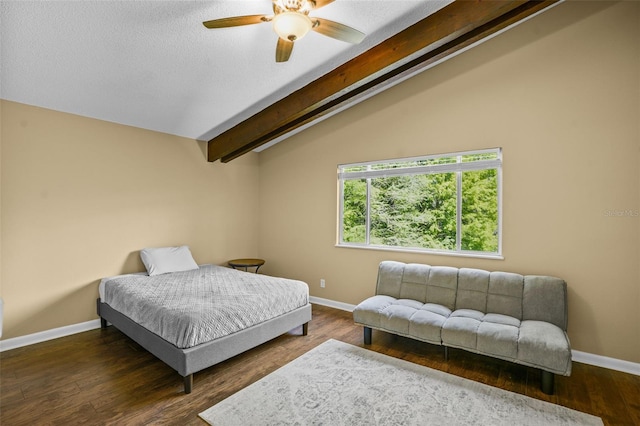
(341, 384)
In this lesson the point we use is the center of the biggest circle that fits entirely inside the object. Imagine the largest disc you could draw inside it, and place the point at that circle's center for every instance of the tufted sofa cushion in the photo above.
(493, 334)
(543, 345)
(405, 317)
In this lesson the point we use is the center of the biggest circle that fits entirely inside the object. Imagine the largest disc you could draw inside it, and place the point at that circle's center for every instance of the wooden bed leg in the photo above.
(188, 383)
(103, 323)
(305, 328)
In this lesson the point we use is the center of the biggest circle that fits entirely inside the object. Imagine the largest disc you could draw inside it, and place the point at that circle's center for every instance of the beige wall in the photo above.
(560, 94)
(81, 197)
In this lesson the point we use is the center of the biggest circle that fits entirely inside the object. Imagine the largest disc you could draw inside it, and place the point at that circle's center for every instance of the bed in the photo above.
(194, 318)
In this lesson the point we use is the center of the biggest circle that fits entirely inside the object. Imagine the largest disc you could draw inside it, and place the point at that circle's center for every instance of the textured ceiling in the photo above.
(153, 65)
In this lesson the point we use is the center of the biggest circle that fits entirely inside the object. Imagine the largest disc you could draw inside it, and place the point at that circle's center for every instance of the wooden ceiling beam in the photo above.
(439, 35)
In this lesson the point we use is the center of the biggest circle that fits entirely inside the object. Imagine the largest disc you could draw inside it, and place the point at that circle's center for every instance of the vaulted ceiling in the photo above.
(153, 65)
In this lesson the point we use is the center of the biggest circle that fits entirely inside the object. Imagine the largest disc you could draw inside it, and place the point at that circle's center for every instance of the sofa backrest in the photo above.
(529, 297)
(433, 284)
(545, 299)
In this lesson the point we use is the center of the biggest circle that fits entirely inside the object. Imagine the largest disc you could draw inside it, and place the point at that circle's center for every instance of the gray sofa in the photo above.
(522, 319)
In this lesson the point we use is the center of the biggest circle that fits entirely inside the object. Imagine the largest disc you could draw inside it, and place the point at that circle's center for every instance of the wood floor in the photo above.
(101, 377)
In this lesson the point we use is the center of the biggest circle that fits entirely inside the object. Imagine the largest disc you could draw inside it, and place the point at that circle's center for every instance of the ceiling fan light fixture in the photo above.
(292, 26)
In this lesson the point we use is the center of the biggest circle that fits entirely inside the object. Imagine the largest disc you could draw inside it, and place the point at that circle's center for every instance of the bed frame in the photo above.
(191, 360)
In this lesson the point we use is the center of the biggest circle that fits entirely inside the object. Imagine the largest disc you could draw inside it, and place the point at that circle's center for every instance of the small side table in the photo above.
(246, 263)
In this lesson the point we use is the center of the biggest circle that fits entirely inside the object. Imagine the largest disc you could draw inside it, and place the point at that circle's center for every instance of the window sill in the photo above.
(476, 255)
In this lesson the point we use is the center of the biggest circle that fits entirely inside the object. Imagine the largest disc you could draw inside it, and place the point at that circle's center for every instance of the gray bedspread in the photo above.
(194, 307)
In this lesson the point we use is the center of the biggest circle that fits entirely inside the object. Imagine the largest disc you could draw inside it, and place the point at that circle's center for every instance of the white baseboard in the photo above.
(606, 362)
(577, 356)
(31, 339)
(43, 336)
(332, 303)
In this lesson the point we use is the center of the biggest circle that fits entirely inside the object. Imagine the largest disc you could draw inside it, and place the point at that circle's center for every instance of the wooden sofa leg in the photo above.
(367, 335)
(446, 353)
(188, 383)
(305, 328)
(547, 384)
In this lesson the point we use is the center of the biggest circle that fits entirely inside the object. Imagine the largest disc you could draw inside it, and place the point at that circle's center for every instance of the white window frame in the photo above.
(458, 167)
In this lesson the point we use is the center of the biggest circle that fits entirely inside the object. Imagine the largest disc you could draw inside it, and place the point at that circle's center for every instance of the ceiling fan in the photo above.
(291, 21)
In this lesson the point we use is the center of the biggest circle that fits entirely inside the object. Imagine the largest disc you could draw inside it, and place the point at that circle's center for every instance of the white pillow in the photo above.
(163, 260)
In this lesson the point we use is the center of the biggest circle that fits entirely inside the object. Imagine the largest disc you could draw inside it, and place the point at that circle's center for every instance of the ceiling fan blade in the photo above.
(322, 3)
(338, 31)
(283, 50)
(236, 21)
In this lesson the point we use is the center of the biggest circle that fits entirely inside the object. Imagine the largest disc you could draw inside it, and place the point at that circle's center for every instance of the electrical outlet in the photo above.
(321, 282)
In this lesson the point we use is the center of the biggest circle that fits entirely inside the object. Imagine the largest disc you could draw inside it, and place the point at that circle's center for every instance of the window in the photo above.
(440, 203)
